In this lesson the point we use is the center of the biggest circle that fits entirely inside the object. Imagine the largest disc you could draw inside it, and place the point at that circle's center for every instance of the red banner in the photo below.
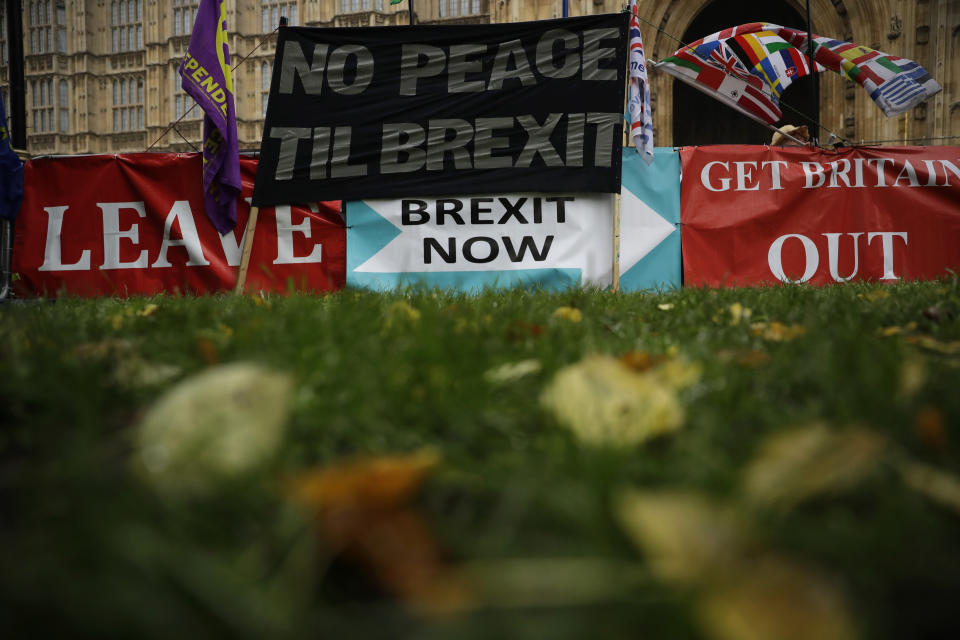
(135, 224)
(755, 214)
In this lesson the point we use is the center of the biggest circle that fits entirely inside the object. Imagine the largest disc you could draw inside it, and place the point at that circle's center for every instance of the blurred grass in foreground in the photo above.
(741, 463)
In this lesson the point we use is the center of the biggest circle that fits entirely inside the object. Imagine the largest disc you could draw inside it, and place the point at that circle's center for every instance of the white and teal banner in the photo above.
(649, 221)
(550, 241)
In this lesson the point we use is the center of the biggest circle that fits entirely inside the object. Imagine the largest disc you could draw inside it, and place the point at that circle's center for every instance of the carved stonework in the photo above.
(923, 34)
(920, 111)
(896, 28)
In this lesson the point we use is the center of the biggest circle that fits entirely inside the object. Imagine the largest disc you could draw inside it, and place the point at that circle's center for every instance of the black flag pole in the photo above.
(412, 15)
(815, 137)
(17, 107)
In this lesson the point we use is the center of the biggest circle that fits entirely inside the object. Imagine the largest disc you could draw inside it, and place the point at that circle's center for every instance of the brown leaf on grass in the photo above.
(775, 599)
(686, 538)
(929, 426)
(519, 330)
(208, 350)
(364, 510)
(777, 331)
(640, 360)
(800, 463)
(749, 358)
(385, 481)
(512, 371)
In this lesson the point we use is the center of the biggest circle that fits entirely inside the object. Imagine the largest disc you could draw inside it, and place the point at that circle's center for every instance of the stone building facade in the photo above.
(101, 75)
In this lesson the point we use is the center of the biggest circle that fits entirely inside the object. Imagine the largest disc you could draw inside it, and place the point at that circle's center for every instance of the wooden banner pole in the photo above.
(616, 243)
(247, 250)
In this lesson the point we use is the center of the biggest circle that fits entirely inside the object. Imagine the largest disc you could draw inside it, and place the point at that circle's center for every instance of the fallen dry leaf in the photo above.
(208, 350)
(110, 348)
(260, 301)
(211, 426)
(686, 538)
(571, 314)
(932, 344)
(640, 360)
(134, 372)
(800, 463)
(678, 373)
(519, 330)
(750, 358)
(774, 599)
(364, 510)
(777, 331)
(739, 312)
(913, 375)
(604, 402)
(743, 591)
(895, 330)
(380, 482)
(400, 313)
(929, 425)
(149, 310)
(873, 296)
(939, 486)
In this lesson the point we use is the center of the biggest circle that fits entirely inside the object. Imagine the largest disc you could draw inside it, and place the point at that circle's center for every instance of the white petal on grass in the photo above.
(212, 426)
(511, 371)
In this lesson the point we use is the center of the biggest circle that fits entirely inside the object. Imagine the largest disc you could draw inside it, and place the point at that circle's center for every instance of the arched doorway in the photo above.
(700, 119)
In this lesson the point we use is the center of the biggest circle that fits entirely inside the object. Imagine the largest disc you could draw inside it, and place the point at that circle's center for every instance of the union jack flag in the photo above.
(641, 120)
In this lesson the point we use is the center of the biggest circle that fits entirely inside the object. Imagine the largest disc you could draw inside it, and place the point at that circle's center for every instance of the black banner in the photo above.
(444, 110)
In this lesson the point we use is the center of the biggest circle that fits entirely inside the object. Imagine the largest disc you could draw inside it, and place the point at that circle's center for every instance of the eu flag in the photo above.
(11, 173)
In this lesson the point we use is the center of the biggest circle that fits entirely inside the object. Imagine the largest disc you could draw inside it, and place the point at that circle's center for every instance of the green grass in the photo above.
(89, 548)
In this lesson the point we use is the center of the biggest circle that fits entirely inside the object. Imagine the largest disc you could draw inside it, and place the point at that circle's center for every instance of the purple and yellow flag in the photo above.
(205, 74)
